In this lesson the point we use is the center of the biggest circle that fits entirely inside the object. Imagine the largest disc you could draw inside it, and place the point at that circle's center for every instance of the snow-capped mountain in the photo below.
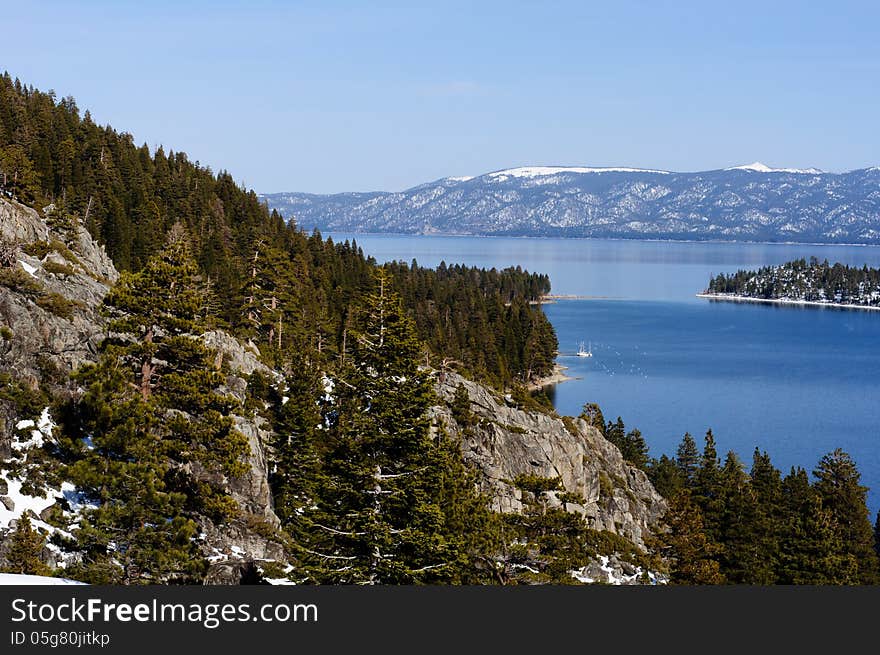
(744, 203)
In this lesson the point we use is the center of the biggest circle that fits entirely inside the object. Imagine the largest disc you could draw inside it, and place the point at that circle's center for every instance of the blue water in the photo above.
(795, 382)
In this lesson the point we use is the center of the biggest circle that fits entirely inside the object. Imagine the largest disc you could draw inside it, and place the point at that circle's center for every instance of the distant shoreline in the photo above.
(780, 301)
(465, 235)
(551, 298)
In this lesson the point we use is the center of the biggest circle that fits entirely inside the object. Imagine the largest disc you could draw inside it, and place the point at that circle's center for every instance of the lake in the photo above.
(796, 382)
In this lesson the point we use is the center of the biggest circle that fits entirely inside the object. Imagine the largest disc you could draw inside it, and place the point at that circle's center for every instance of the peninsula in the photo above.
(800, 282)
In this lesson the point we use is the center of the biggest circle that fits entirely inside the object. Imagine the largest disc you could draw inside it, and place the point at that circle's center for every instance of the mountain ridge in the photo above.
(753, 202)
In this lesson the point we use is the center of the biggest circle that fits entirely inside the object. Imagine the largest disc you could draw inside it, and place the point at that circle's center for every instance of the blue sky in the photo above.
(343, 96)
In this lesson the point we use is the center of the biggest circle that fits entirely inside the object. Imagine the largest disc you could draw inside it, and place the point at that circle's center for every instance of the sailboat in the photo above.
(585, 353)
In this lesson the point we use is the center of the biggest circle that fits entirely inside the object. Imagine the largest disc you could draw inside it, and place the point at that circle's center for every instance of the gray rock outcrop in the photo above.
(52, 324)
(508, 442)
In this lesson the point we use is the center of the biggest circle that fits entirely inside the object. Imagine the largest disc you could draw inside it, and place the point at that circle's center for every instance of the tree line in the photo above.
(812, 280)
(727, 523)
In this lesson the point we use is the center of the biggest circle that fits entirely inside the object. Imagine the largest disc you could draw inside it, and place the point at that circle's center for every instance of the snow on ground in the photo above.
(602, 571)
(22, 502)
(44, 427)
(30, 580)
(278, 581)
(76, 499)
(30, 270)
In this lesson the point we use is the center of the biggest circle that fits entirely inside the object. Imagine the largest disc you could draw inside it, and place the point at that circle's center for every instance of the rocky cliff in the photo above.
(507, 442)
(53, 278)
(52, 281)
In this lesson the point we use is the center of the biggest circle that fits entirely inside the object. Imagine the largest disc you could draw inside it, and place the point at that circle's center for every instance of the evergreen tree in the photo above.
(666, 476)
(544, 544)
(766, 485)
(460, 408)
(381, 516)
(154, 437)
(688, 459)
(837, 484)
(707, 487)
(296, 474)
(17, 173)
(810, 550)
(692, 553)
(25, 550)
(635, 449)
(743, 560)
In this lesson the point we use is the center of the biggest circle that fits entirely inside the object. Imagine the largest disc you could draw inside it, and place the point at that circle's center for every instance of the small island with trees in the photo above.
(801, 282)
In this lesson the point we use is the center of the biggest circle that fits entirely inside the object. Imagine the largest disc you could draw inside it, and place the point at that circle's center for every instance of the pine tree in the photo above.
(810, 550)
(544, 544)
(692, 553)
(666, 476)
(743, 559)
(25, 550)
(17, 173)
(766, 484)
(296, 474)
(161, 437)
(837, 483)
(460, 407)
(635, 450)
(707, 487)
(381, 514)
(688, 459)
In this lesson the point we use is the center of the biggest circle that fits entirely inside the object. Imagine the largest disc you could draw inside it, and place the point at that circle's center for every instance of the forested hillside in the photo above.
(800, 280)
(264, 278)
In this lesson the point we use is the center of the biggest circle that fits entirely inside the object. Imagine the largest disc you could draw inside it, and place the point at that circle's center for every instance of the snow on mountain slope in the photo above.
(537, 171)
(758, 167)
(753, 202)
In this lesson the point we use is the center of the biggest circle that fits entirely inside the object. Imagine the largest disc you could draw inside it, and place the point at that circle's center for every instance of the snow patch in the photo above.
(76, 499)
(22, 502)
(45, 424)
(30, 270)
(459, 178)
(44, 427)
(603, 571)
(539, 171)
(32, 580)
(758, 167)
